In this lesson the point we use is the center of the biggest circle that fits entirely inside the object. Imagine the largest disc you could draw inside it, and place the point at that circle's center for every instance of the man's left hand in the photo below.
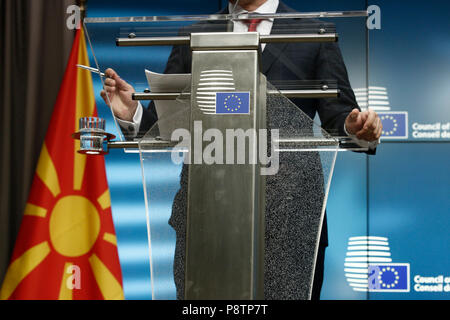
(364, 125)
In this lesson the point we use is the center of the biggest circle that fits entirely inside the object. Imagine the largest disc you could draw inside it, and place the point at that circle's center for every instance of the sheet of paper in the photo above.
(172, 114)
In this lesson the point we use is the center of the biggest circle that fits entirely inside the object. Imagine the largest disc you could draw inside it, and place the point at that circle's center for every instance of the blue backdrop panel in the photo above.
(347, 217)
(410, 58)
(410, 204)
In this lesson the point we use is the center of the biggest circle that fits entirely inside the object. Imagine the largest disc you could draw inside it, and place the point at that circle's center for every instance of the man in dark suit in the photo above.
(280, 61)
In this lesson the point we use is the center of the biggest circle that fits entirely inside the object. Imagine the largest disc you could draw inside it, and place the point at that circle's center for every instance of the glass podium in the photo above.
(233, 115)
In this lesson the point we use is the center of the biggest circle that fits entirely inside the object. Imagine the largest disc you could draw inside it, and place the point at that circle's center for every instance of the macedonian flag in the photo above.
(66, 247)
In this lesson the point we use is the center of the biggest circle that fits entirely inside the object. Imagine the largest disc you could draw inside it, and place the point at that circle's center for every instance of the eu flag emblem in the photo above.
(389, 277)
(395, 125)
(233, 103)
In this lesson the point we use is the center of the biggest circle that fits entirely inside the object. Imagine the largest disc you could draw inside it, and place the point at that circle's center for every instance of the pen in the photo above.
(91, 69)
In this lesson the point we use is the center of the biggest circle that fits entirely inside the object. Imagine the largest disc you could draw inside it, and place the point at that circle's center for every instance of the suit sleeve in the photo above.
(334, 111)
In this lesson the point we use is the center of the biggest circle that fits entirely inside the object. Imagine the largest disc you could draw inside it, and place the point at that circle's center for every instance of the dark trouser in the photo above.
(318, 273)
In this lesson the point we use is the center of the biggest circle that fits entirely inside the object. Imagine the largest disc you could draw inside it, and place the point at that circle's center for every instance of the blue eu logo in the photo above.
(395, 125)
(233, 103)
(389, 277)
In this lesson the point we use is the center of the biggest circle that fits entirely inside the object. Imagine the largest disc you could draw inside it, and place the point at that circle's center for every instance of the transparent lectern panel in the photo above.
(303, 95)
(161, 179)
(173, 115)
(131, 45)
(139, 66)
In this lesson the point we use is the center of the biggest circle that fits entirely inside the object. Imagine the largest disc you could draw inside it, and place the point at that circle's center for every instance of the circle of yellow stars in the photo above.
(390, 285)
(394, 122)
(231, 109)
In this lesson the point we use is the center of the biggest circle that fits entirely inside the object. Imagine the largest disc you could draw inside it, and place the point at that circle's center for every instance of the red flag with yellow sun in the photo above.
(66, 248)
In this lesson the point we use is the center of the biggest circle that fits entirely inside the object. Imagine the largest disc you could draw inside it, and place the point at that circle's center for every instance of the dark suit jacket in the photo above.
(280, 61)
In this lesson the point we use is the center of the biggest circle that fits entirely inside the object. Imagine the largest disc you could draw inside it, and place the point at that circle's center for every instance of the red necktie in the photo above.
(253, 24)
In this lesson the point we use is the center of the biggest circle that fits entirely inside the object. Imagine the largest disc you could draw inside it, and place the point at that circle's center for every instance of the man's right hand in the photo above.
(120, 96)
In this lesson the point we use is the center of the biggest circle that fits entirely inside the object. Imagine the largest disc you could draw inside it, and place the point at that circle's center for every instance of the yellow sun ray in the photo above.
(109, 237)
(65, 293)
(35, 211)
(104, 200)
(78, 168)
(21, 267)
(46, 171)
(85, 106)
(109, 286)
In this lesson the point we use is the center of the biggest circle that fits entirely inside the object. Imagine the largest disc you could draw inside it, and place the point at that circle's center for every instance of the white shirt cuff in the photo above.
(362, 143)
(132, 128)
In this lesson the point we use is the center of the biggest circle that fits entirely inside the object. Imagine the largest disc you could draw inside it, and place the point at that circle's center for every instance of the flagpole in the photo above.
(83, 9)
